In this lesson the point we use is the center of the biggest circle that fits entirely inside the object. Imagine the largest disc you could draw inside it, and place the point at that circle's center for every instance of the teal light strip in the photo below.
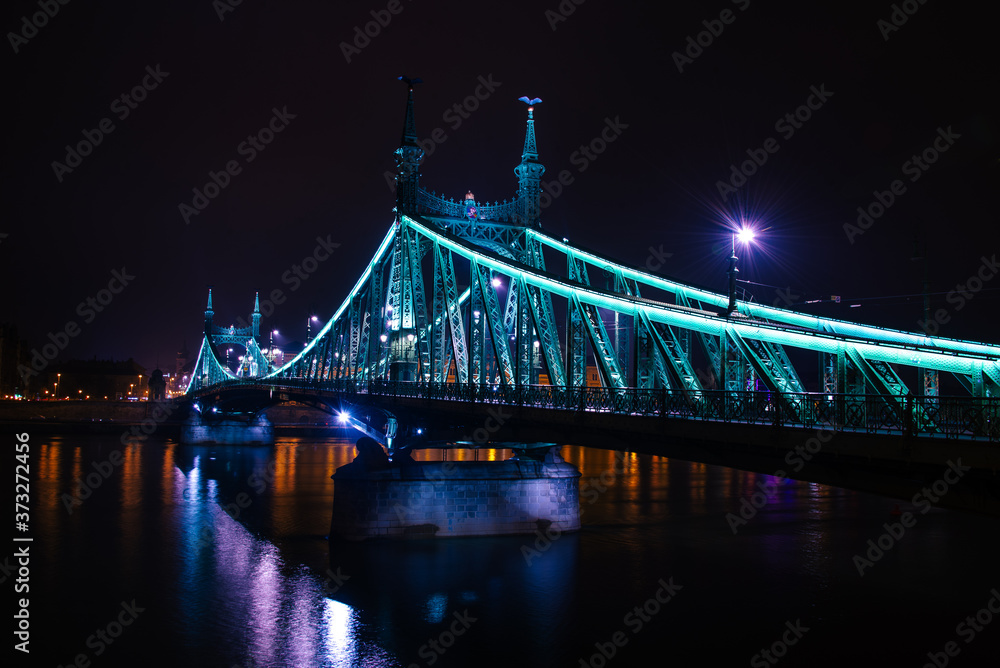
(773, 313)
(357, 286)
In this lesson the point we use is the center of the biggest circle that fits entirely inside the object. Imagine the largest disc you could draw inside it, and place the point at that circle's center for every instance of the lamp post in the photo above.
(311, 319)
(745, 235)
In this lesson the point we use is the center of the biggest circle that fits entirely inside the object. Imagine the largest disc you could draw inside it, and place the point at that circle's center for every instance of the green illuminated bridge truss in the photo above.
(463, 301)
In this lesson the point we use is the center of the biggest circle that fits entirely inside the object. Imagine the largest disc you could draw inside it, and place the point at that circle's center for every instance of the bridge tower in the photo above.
(529, 175)
(209, 313)
(408, 157)
(255, 318)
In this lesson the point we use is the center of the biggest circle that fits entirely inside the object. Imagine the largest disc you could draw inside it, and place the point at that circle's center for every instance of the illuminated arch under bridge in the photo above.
(473, 301)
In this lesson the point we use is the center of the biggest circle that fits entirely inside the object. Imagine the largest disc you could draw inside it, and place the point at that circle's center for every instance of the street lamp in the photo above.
(271, 346)
(309, 322)
(745, 236)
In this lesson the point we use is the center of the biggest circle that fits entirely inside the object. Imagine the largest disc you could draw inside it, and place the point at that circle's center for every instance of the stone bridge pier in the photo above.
(375, 497)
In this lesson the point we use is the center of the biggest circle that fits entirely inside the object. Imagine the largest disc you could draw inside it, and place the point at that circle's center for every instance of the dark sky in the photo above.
(654, 187)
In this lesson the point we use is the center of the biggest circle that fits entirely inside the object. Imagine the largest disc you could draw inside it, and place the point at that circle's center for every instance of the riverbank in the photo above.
(104, 417)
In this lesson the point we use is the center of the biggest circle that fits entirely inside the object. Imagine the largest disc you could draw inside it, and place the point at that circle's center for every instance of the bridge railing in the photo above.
(944, 417)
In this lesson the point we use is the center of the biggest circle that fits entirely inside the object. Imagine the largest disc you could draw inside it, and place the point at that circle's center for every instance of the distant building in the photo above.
(14, 352)
(157, 386)
(183, 355)
(96, 379)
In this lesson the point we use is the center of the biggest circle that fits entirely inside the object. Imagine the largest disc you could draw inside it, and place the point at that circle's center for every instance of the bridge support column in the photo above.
(258, 431)
(374, 498)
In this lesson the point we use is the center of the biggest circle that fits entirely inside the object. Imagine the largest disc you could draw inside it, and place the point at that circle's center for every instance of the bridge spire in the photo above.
(255, 317)
(209, 313)
(409, 155)
(529, 172)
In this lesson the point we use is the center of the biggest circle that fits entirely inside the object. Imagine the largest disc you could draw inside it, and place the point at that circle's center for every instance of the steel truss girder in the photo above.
(543, 318)
(524, 337)
(208, 369)
(709, 344)
(447, 307)
(477, 333)
(494, 323)
(417, 247)
(545, 325)
(576, 338)
(642, 356)
(758, 356)
(884, 380)
(876, 347)
(771, 314)
(661, 369)
(676, 362)
(607, 361)
(712, 324)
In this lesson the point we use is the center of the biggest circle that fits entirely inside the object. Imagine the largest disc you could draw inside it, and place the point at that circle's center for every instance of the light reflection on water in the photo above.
(226, 549)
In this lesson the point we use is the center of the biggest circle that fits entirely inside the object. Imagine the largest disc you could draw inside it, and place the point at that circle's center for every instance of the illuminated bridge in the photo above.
(472, 326)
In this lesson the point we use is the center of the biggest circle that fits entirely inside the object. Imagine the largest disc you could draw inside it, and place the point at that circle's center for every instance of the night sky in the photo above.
(221, 73)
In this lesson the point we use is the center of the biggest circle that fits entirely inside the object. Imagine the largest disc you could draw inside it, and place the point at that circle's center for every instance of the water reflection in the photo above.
(226, 549)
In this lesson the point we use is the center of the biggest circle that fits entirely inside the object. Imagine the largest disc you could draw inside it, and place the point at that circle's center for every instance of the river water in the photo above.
(218, 556)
